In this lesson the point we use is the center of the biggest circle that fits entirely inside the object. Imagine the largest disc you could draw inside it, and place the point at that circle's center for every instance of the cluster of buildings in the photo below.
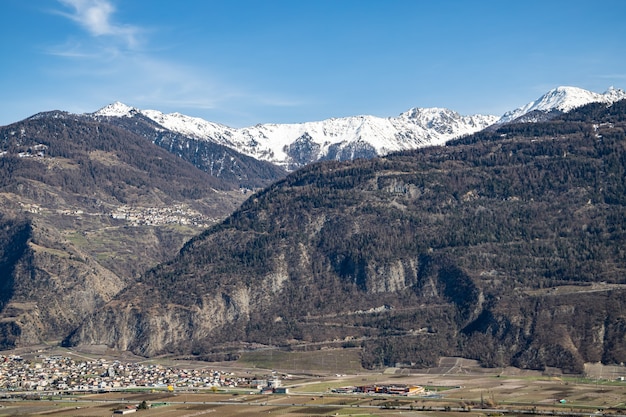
(136, 216)
(396, 389)
(270, 386)
(177, 214)
(57, 373)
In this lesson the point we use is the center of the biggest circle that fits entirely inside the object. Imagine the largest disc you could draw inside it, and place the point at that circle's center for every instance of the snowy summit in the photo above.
(564, 99)
(116, 109)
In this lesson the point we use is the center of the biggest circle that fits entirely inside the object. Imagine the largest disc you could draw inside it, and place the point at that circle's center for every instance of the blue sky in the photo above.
(243, 62)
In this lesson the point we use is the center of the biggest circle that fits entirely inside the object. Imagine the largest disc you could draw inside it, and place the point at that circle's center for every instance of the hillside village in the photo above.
(137, 216)
(153, 216)
(58, 373)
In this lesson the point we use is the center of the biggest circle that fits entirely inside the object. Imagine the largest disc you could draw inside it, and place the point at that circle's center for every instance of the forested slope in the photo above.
(506, 246)
(85, 208)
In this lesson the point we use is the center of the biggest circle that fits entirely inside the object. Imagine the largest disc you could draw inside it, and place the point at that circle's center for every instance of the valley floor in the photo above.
(456, 387)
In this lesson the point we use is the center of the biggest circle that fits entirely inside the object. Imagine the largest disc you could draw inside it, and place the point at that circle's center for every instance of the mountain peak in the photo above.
(425, 112)
(116, 109)
(616, 93)
(564, 99)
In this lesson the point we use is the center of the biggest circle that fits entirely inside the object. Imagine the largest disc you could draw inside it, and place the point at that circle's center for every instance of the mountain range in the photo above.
(94, 208)
(292, 146)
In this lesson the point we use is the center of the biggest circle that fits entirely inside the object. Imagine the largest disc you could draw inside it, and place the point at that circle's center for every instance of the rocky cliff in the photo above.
(49, 286)
(504, 246)
(85, 208)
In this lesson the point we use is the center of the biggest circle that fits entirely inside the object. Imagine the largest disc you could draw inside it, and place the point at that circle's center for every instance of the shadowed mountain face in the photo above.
(85, 208)
(231, 167)
(505, 246)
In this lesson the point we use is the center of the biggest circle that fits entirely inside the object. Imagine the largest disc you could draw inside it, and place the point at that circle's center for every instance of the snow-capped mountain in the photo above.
(564, 99)
(294, 145)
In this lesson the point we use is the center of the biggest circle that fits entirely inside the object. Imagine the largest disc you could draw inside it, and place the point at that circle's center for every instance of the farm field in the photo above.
(450, 395)
(458, 387)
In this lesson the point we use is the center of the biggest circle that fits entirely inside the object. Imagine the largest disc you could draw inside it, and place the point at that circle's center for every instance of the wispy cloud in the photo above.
(111, 64)
(72, 49)
(96, 17)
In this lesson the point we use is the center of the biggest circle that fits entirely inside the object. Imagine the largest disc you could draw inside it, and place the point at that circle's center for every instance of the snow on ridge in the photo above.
(270, 142)
(564, 99)
(194, 127)
(415, 128)
(385, 135)
(116, 109)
